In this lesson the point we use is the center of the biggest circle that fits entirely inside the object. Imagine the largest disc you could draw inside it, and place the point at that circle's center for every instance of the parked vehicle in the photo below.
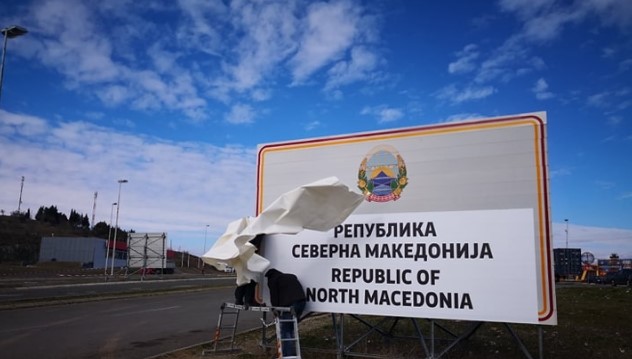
(622, 277)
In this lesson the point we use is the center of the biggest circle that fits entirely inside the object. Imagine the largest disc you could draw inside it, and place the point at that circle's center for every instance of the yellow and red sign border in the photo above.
(547, 302)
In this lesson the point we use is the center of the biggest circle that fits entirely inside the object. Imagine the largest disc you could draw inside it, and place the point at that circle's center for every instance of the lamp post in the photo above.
(205, 232)
(568, 257)
(204, 250)
(566, 220)
(9, 33)
(107, 250)
(118, 206)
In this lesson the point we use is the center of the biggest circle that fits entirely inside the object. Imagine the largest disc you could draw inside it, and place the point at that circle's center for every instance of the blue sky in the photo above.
(175, 96)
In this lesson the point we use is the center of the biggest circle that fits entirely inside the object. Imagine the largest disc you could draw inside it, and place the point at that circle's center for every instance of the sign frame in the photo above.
(486, 138)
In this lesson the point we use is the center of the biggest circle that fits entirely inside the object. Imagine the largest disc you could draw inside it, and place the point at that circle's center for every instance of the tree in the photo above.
(101, 230)
(76, 220)
(85, 222)
(51, 215)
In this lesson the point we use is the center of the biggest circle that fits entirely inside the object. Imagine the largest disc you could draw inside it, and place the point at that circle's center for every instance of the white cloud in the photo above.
(600, 241)
(625, 65)
(312, 125)
(541, 90)
(12, 124)
(359, 67)
(73, 40)
(506, 62)
(543, 21)
(455, 95)
(599, 99)
(608, 52)
(173, 187)
(615, 120)
(557, 172)
(383, 113)
(199, 30)
(465, 62)
(268, 38)
(463, 117)
(330, 30)
(241, 114)
(121, 54)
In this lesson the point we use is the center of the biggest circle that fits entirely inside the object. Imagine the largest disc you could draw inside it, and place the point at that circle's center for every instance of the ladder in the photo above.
(227, 343)
(285, 317)
(282, 316)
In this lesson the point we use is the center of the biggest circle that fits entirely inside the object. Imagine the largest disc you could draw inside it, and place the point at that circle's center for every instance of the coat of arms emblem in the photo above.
(382, 175)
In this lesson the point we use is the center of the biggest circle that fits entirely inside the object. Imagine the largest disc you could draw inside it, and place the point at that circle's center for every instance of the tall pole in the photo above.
(118, 206)
(205, 232)
(107, 248)
(94, 208)
(566, 220)
(4, 52)
(568, 257)
(9, 33)
(20, 200)
(204, 250)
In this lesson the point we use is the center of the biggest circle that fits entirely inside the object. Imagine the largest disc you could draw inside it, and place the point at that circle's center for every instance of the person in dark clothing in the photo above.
(245, 294)
(286, 291)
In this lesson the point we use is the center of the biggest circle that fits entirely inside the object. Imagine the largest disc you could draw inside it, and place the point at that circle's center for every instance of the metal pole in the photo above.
(204, 250)
(94, 209)
(107, 250)
(566, 255)
(21, 188)
(4, 51)
(9, 33)
(118, 206)
(566, 220)
(205, 232)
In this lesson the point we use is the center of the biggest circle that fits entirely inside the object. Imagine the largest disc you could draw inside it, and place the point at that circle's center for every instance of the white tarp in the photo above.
(318, 206)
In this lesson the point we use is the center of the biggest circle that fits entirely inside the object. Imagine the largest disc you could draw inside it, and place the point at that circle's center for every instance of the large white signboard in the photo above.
(147, 250)
(455, 223)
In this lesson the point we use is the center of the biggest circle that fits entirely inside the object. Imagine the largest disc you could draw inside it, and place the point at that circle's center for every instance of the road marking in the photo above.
(147, 311)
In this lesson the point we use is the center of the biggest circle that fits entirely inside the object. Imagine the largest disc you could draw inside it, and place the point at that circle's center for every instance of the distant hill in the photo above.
(20, 236)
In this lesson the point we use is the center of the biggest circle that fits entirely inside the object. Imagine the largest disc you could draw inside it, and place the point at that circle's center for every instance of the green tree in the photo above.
(51, 215)
(85, 222)
(101, 230)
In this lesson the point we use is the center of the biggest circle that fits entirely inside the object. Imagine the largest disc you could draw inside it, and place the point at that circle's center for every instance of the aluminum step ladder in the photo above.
(226, 343)
(282, 315)
(285, 316)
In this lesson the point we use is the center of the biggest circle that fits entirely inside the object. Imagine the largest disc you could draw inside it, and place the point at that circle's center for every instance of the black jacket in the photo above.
(285, 289)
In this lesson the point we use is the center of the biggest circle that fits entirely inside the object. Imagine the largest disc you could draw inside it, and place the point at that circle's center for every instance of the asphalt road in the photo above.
(137, 327)
(98, 288)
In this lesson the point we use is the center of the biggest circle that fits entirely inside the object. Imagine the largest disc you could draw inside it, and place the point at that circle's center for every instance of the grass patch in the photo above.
(593, 322)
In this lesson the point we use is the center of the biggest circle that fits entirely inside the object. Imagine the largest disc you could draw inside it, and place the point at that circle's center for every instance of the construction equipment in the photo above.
(283, 316)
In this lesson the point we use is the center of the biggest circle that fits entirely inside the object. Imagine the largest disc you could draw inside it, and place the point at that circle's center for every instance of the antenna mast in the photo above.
(20, 200)
(94, 207)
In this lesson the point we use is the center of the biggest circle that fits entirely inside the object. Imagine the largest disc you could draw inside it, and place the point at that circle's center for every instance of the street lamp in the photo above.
(566, 220)
(205, 231)
(120, 182)
(568, 257)
(107, 250)
(8, 33)
(204, 251)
